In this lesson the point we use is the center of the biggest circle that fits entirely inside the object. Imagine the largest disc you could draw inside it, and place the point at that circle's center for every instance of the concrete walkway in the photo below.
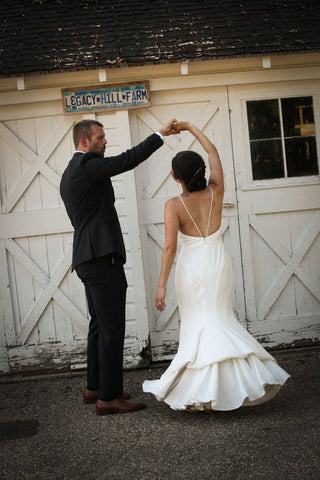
(47, 432)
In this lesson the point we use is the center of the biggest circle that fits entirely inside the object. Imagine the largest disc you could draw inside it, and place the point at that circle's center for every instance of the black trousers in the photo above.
(105, 285)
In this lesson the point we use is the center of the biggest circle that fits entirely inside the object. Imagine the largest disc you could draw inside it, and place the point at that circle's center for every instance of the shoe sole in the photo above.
(88, 401)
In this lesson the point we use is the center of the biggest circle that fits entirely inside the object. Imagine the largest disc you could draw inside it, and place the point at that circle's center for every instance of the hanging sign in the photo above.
(105, 97)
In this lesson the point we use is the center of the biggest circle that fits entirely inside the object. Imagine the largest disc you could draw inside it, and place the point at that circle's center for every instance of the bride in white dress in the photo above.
(218, 365)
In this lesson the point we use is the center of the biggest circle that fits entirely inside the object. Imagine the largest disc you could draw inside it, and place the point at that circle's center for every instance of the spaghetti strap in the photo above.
(194, 223)
(187, 210)
(210, 211)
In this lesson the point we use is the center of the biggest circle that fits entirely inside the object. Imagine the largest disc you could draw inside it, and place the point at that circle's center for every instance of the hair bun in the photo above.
(197, 183)
(190, 167)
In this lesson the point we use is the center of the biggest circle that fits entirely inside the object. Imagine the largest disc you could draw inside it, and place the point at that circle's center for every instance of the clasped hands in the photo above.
(173, 127)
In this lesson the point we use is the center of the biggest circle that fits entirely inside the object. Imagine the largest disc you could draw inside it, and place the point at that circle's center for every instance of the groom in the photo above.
(99, 255)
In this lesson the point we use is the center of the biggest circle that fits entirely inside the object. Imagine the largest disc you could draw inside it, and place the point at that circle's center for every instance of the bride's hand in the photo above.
(160, 298)
(181, 126)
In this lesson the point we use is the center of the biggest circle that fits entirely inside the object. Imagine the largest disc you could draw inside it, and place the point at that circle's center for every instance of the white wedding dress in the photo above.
(218, 365)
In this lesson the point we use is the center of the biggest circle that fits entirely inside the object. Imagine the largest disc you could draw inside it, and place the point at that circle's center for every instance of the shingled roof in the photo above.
(58, 35)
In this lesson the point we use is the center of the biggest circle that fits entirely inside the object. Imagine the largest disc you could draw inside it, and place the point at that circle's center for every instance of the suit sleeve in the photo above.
(95, 166)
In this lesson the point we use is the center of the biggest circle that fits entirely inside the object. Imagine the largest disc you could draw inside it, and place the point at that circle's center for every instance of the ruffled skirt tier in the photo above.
(225, 385)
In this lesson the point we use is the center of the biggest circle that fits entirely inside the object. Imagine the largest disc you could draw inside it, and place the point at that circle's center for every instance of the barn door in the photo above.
(43, 311)
(35, 246)
(276, 136)
(208, 109)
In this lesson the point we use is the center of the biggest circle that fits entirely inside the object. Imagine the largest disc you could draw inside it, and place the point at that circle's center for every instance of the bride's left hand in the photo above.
(160, 298)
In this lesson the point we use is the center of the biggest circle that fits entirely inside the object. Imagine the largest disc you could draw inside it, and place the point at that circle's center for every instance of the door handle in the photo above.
(228, 205)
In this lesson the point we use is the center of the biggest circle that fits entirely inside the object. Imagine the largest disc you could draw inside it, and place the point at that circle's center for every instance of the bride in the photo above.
(218, 365)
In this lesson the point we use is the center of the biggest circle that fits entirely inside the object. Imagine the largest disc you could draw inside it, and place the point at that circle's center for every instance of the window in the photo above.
(282, 138)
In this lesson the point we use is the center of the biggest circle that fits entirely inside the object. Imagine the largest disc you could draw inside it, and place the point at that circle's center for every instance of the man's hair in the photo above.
(83, 129)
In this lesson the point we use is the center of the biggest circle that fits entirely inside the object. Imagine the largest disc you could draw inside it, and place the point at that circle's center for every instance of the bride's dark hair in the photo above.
(189, 167)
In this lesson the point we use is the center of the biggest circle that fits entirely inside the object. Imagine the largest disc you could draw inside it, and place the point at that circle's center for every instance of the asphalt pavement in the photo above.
(47, 433)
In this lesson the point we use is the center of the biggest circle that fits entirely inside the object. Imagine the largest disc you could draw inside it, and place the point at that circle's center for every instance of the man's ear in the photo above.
(84, 141)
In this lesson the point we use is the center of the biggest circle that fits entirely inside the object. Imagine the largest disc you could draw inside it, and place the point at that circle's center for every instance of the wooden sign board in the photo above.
(105, 97)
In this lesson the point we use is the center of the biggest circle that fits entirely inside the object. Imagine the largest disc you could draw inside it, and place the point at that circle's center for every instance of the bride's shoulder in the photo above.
(172, 203)
(173, 200)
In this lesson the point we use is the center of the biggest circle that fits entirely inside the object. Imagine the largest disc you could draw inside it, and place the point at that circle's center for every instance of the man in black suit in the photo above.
(99, 255)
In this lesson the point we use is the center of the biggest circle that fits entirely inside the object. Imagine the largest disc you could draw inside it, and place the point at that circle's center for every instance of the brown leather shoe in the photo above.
(91, 396)
(118, 405)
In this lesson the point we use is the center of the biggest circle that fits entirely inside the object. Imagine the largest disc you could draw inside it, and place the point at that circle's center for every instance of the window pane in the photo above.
(297, 116)
(263, 119)
(301, 155)
(266, 158)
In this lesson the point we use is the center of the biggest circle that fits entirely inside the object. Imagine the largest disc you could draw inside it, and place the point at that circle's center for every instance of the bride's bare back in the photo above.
(199, 205)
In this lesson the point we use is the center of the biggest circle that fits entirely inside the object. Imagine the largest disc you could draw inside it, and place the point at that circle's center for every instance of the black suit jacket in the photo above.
(88, 195)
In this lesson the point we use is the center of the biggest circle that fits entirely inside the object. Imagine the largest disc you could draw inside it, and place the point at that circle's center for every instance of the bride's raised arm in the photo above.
(216, 171)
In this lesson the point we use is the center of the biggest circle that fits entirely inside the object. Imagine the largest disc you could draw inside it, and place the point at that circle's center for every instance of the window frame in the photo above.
(278, 94)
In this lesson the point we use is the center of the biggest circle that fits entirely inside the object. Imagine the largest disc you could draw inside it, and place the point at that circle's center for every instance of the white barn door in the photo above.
(208, 109)
(43, 310)
(40, 306)
(279, 228)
